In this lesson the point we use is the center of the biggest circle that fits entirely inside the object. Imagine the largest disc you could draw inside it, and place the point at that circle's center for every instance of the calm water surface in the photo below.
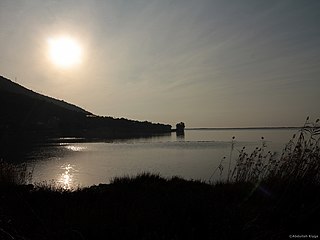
(194, 156)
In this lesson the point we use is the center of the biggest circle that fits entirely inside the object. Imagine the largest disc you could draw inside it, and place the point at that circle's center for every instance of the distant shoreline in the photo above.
(244, 128)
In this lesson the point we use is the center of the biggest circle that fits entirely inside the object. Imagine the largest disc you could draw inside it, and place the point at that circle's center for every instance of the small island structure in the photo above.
(180, 128)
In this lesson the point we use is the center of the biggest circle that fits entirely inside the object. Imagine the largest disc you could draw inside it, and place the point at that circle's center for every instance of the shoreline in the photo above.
(245, 128)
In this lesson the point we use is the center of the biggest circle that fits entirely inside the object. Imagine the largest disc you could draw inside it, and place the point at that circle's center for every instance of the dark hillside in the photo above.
(8, 86)
(21, 113)
(25, 110)
(28, 116)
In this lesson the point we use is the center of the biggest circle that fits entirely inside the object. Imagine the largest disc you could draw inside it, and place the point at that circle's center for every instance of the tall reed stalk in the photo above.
(300, 159)
(230, 157)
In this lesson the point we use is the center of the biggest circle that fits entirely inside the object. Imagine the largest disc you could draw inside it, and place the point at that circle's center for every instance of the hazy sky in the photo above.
(209, 63)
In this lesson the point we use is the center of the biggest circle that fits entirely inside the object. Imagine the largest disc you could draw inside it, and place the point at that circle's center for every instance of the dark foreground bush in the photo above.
(13, 175)
(151, 207)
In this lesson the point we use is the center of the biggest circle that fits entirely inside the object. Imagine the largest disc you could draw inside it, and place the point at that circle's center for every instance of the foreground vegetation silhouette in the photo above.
(264, 198)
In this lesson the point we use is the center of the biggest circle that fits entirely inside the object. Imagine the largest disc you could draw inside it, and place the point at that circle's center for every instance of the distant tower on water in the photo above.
(180, 128)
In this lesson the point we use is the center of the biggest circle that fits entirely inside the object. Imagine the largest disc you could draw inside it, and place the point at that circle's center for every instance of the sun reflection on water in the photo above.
(75, 148)
(67, 177)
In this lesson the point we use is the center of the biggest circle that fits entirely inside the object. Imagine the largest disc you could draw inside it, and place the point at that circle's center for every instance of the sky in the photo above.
(208, 63)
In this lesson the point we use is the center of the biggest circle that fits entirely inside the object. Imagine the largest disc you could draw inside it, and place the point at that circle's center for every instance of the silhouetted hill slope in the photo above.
(8, 86)
(23, 110)
(27, 117)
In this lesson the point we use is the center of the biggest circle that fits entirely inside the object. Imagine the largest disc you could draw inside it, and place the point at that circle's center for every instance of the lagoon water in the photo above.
(195, 155)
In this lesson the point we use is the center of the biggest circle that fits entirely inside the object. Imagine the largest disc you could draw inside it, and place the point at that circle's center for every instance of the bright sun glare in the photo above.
(64, 52)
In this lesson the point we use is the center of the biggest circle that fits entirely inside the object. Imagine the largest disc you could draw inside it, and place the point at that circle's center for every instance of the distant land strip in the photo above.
(244, 128)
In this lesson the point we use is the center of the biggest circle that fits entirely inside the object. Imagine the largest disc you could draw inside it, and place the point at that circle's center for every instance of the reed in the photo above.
(300, 159)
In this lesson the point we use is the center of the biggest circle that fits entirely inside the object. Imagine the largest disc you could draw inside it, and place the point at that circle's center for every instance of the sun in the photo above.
(64, 52)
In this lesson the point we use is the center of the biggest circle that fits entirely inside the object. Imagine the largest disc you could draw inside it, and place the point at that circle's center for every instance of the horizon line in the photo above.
(241, 128)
